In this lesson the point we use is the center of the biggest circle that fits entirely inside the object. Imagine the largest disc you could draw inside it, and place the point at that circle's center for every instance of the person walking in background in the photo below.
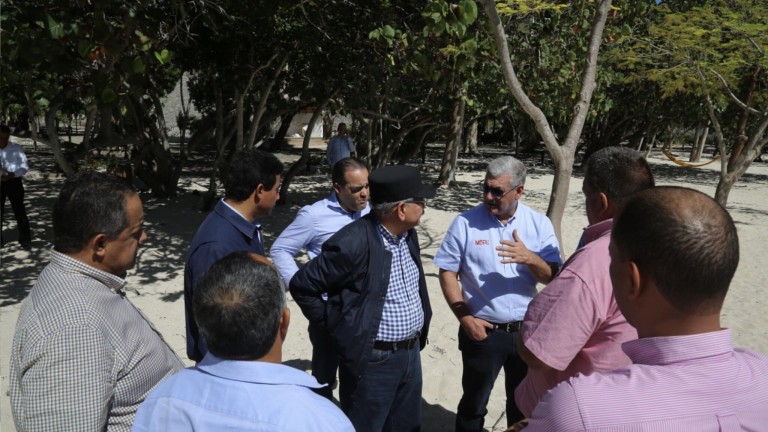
(83, 356)
(13, 166)
(574, 325)
(240, 384)
(673, 252)
(340, 146)
(490, 261)
(313, 225)
(251, 189)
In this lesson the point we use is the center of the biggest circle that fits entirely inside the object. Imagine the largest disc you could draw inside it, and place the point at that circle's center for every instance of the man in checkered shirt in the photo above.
(378, 309)
(83, 356)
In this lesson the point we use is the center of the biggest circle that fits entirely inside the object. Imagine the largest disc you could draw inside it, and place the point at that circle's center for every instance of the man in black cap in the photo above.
(378, 309)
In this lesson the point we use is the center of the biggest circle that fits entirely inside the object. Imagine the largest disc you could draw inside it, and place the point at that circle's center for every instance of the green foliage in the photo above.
(719, 37)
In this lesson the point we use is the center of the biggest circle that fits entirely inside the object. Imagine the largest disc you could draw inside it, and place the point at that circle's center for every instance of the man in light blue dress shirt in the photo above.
(499, 250)
(241, 384)
(313, 225)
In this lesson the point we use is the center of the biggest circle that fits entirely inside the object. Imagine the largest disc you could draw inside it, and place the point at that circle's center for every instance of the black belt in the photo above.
(394, 346)
(509, 327)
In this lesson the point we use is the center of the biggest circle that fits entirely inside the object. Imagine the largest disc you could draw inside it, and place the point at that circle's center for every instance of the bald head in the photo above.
(684, 241)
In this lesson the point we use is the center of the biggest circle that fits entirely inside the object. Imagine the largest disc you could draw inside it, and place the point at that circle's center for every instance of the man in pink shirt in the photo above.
(574, 325)
(673, 254)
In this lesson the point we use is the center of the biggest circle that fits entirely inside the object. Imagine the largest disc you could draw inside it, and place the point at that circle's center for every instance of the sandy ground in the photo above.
(156, 284)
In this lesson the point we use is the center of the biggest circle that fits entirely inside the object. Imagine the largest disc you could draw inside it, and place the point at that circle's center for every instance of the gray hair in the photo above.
(383, 209)
(507, 165)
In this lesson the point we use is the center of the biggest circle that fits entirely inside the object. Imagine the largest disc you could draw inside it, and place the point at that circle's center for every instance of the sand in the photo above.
(156, 284)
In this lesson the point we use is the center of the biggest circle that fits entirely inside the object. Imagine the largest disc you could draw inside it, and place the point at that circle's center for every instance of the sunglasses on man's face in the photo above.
(497, 192)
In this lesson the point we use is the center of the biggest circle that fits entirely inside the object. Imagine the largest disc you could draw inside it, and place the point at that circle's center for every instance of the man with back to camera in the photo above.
(574, 325)
(673, 254)
(313, 225)
(377, 310)
(499, 250)
(340, 146)
(240, 384)
(13, 166)
(83, 357)
(251, 189)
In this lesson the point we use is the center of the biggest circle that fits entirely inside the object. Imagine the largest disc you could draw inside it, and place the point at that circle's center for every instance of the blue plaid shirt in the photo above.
(403, 316)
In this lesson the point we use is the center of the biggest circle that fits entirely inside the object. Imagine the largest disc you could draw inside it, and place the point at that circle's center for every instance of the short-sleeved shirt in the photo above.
(574, 325)
(314, 224)
(13, 160)
(493, 291)
(239, 395)
(339, 147)
(677, 383)
(83, 357)
(224, 231)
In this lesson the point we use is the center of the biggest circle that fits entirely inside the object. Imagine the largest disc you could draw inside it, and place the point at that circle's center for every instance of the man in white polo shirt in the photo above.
(499, 250)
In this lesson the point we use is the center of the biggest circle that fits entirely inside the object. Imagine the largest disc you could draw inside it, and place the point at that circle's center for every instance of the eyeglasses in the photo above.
(497, 192)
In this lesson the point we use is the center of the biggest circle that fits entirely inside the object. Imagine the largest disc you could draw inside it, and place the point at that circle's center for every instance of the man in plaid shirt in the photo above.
(378, 309)
(83, 356)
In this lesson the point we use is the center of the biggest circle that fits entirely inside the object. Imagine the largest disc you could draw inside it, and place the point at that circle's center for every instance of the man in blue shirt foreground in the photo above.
(251, 188)
(313, 225)
(240, 307)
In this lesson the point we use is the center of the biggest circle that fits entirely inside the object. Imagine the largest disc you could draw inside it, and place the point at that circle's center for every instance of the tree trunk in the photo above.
(53, 139)
(417, 149)
(302, 162)
(239, 118)
(370, 142)
(50, 124)
(741, 134)
(261, 107)
(563, 156)
(210, 196)
(451, 154)
(470, 143)
(90, 119)
(702, 132)
(561, 184)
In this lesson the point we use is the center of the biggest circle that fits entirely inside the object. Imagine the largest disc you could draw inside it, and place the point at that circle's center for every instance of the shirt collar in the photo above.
(256, 372)
(236, 219)
(675, 349)
(594, 231)
(114, 283)
(333, 203)
(389, 237)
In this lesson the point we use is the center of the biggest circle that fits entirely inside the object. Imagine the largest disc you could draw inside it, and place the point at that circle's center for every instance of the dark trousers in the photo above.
(483, 361)
(14, 190)
(325, 361)
(387, 397)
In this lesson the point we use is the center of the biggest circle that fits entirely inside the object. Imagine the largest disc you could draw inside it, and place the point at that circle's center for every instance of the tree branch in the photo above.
(729, 93)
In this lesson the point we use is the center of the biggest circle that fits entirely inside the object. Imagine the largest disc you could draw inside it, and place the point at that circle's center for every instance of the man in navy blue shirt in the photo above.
(251, 188)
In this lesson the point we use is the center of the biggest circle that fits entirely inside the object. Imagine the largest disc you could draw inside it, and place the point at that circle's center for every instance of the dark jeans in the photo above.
(388, 395)
(14, 190)
(325, 361)
(482, 362)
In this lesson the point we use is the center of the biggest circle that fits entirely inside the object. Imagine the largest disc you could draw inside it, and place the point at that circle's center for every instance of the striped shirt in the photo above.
(680, 383)
(83, 357)
(402, 317)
